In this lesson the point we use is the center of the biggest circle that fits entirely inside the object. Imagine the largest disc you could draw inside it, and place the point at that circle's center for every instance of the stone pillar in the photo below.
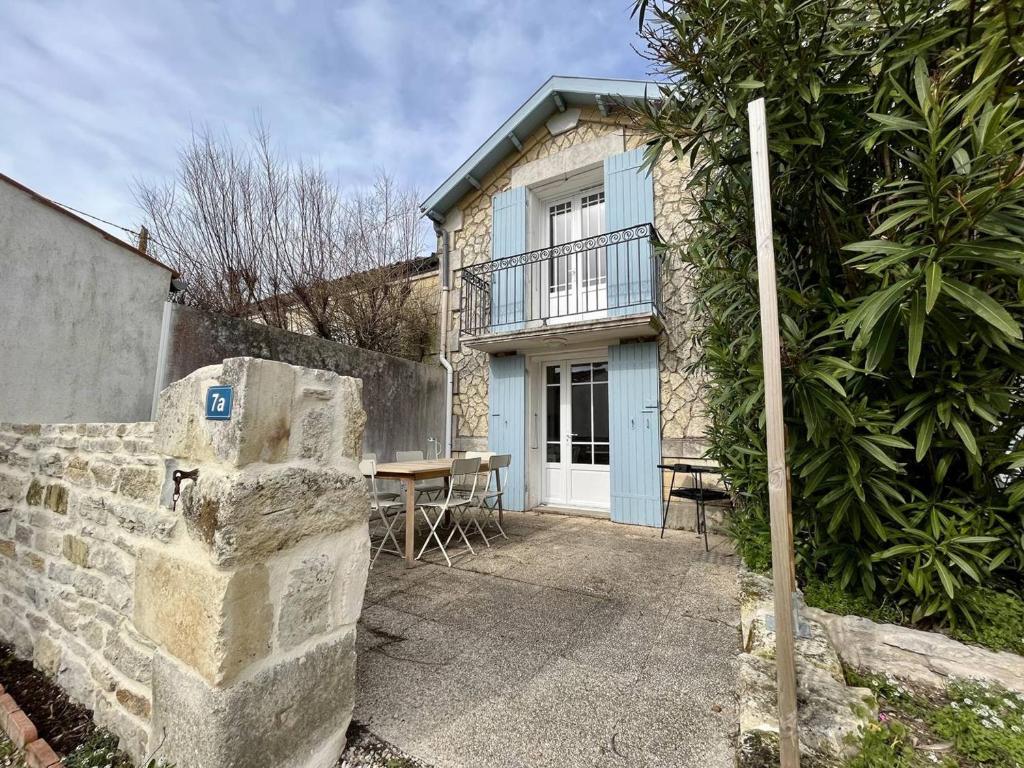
(253, 605)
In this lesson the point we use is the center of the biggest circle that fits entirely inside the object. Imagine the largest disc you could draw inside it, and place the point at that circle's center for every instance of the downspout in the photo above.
(442, 354)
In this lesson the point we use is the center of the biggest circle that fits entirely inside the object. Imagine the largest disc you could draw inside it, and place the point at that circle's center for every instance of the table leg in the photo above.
(410, 521)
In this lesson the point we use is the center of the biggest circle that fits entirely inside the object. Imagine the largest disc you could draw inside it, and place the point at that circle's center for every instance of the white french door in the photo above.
(576, 282)
(575, 438)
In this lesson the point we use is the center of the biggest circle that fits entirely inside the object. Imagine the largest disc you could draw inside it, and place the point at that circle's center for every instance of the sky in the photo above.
(96, 96)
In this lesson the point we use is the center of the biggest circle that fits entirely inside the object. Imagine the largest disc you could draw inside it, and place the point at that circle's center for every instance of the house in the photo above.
(81, 313)
(566, 326)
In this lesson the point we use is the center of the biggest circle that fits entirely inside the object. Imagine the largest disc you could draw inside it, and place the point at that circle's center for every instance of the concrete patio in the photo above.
(577, 642)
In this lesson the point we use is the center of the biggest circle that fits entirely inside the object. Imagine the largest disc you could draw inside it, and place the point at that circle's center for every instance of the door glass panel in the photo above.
(601, 454)
(581, 415)
(601, 412)
(553, 421)
(592, 223)
(559, 231)
(582, 454)
(581, 373)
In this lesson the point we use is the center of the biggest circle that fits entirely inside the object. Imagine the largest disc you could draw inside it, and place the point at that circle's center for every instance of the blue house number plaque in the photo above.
(218, 403)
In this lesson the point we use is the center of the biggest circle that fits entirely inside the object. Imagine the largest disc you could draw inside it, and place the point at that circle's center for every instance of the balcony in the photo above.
(594, 290)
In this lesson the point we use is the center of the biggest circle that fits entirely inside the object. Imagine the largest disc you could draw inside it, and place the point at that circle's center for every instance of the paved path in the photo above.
(577, 642)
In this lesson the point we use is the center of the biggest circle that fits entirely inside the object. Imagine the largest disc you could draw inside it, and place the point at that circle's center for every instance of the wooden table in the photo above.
(410, 472)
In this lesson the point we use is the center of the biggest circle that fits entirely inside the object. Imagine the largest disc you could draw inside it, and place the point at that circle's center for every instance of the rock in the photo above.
(921, 658)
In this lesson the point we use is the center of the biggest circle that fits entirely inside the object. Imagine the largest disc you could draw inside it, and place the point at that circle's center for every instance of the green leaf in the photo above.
(915, 333)
(933, 285)
(949, 581)
(895, 123)
(966, 436)
(984, 306)
(925, 430)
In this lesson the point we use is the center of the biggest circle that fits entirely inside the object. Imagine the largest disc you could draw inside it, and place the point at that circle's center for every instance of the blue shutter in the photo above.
(634, 421)
(507, 433)
(508, 238)
(629, 200)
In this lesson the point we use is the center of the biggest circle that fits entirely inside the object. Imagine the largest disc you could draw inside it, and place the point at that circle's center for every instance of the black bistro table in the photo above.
(696, 493)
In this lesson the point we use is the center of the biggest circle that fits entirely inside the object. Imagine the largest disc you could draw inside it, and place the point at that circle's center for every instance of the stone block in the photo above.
(263, 509)
(280, 412)
(76, 470)
(51, 463)
(12, 487)
(56, 498)
(134, 702)
(46, 655)
(104, 474)
(217, 622)
(35, 492)
(130, 654)
(308, 699)
(8, 548)
(140, 483)
(75, 550)
(132, 733)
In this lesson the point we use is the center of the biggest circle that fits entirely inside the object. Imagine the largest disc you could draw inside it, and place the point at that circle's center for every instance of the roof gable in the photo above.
(557, 94)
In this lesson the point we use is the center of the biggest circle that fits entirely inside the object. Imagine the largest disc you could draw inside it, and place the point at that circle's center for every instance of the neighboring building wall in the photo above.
(682, 420)
(403, 400)
(80, 317)
(219, 634)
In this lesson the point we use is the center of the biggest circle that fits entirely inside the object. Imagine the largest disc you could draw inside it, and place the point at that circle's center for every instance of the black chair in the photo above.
(696, 493)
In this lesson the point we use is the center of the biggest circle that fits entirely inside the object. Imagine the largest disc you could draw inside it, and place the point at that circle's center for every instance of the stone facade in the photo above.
(217, 633)
(682, 419)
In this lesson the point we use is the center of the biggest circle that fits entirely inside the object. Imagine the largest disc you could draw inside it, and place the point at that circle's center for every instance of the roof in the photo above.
(102, 232)
(557, 94)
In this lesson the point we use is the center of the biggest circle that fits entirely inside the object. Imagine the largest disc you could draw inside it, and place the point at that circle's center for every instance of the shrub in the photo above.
(896, 137)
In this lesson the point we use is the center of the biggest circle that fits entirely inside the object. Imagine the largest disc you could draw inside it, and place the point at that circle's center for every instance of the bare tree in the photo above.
(258, 237)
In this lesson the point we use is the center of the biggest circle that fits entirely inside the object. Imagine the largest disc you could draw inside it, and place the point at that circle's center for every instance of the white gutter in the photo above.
(443, 346)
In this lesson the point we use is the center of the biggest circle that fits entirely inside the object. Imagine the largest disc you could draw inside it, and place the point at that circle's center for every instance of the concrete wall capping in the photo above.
(195, 628)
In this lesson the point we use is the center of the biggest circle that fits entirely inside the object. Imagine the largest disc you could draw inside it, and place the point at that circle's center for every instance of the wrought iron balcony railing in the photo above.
(617, 273)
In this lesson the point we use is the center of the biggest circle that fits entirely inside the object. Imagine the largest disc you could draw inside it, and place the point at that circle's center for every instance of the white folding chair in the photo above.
(382, 492)
(461, 496)
(429, 489)
(491, 497)
(388, 511)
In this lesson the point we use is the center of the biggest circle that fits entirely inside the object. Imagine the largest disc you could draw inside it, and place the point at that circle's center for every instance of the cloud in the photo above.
(96, 95)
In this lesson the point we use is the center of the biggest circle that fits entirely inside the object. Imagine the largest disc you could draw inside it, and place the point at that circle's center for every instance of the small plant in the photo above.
(98, 751)
(979, 726)
(829, 596)
(985, 723)
(998, 621)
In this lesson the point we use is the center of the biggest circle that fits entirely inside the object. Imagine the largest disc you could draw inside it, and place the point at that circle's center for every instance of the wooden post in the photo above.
(783, 577)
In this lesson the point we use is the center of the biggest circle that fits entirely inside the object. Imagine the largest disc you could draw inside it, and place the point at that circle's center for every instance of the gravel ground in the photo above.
(364, 750)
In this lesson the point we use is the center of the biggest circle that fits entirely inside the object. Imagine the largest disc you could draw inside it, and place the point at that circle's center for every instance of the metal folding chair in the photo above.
(388, 511)
(430, 489)
(460, 497)
(491, 498)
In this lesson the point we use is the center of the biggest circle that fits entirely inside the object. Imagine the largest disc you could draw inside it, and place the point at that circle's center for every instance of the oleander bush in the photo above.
(896, 142)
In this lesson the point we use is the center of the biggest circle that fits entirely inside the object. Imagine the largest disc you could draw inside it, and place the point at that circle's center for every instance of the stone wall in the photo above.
(404, 400)
(217, 633)
(682, 417)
